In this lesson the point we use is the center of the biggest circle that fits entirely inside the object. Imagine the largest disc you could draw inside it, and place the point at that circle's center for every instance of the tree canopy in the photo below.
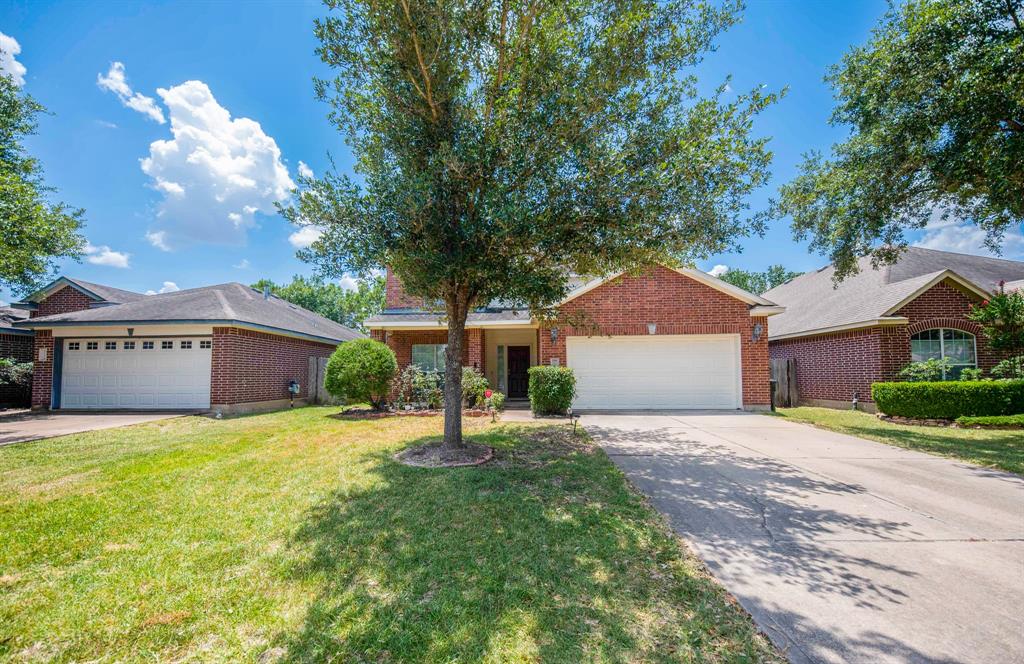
(330, 300)
(34, 231)
(935, 105)
(759, 282)
(502, 144)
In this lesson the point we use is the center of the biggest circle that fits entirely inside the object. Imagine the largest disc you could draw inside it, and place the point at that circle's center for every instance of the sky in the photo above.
(178, 125)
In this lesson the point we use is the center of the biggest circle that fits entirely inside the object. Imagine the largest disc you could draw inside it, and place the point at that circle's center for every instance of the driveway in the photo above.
(843, 549)
(33, 426)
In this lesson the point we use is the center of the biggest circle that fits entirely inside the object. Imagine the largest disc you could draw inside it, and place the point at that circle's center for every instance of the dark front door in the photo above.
(518, 363)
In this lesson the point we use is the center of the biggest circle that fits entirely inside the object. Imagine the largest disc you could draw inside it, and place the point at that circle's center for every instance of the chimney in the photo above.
(266, 292)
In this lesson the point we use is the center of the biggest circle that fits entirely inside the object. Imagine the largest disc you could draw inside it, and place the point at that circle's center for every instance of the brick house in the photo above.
(664, 339)
(15, 344)
(226, 348)
(870, 326)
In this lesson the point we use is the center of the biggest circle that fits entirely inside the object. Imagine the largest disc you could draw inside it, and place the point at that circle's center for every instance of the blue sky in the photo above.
(195, 206)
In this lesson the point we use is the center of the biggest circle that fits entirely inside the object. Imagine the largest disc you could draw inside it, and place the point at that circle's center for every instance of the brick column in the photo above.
(42, 373)
(475, 348)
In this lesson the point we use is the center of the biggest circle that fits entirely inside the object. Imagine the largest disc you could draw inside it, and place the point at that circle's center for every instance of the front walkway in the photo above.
(36, 425)
(843, 549)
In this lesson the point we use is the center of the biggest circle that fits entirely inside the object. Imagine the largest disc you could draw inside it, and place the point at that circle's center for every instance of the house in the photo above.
(665, 339)
(228, 347)
(871, 325)
(15, 344)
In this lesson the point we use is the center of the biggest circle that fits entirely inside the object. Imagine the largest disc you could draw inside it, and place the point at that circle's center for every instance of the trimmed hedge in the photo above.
(949, 400)
(551, 389)
(994, 421)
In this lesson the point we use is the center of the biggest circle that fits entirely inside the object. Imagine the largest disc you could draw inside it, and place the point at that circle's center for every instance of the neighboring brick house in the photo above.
(844, 337)
(664, 339)
(15, 344)
(226, 348)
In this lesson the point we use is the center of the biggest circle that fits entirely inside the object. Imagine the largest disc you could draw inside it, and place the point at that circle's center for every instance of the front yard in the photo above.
(1003, 449)
(294, 536)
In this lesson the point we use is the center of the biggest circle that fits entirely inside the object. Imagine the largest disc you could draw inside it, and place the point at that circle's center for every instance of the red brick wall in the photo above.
(677, 304)
(42, 372)
(395, 296)
(402, 341)
(251, 366)
(834, 366)
(64, 301)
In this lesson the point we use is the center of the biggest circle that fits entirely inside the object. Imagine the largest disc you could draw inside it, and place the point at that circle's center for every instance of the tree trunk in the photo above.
(453, 376)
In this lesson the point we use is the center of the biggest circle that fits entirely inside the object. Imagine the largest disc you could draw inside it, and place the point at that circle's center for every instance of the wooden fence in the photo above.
(784, 375)
(315, 390)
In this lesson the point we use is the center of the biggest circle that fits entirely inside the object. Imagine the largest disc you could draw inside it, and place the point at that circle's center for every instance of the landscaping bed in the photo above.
(296, 536)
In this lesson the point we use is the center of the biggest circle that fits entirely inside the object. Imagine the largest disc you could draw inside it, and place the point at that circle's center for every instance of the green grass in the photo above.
(992, 421)
(295, 537)
(992, 448)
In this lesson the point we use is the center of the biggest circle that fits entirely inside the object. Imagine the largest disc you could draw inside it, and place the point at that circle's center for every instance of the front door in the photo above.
(518, 363)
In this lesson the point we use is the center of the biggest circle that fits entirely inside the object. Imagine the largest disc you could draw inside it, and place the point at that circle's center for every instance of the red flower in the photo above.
(984, 303)
(487, 394)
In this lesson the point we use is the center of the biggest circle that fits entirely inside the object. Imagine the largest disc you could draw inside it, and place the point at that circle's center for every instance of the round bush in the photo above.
(361, 370)
(551, 389)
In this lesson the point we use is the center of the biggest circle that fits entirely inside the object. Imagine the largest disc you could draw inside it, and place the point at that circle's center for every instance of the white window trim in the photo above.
(942, 345)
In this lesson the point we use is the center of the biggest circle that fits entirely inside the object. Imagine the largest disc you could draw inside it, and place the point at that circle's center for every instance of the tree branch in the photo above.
(427, 93)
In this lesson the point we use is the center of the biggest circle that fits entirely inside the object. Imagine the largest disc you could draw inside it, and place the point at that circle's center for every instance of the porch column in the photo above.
(475, 349)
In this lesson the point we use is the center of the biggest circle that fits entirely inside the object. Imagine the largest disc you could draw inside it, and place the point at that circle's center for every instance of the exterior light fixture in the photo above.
(651, 328)
(554, 334)
(758, 329)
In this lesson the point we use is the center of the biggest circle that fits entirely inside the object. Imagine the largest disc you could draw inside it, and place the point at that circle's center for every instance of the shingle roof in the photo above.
(8, 316)
(231, 302)
(813, 302)
(428, 318)
(109, 293)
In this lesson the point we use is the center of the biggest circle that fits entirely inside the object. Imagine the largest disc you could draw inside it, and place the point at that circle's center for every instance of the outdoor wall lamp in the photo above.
(554, 334)
(758, 329)
(651, 328)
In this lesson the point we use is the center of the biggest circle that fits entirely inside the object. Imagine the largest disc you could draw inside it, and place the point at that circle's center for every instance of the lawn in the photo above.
(1003, 449)
(295, 537)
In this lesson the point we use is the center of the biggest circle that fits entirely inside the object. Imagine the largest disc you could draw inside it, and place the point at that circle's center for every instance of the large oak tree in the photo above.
(501, 145)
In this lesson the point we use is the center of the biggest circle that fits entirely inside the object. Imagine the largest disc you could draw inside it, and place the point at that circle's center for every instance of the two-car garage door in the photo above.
(656, 372)
(136, 373)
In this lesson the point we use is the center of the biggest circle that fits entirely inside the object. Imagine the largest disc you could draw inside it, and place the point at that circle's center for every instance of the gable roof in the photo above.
(223, 304)
(814, 304)
(697, 275)
(99, 293)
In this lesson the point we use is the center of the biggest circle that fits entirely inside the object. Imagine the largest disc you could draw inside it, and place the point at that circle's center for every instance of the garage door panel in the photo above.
(116, 375)
(656, 372)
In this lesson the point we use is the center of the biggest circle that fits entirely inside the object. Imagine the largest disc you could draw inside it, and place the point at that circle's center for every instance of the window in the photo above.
(92, 345)
(501, 369)
(74, 345)
(166, 345)
(206, 343)
(110, 345)
(956, 346)
(129, 345)
(429, 357)
(147, 345)
(186, 345)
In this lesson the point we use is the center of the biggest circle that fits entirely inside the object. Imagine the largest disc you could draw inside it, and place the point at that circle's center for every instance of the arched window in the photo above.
(955, 345)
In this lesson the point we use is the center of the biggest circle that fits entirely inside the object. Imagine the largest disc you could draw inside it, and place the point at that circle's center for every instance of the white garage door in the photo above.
(136, 373)
(653, 372)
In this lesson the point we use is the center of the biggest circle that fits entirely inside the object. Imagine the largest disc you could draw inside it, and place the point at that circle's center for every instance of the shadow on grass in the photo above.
(544, 554)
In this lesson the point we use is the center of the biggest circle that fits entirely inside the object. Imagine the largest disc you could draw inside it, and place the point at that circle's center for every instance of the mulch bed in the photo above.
(896, 419)
(432, 455)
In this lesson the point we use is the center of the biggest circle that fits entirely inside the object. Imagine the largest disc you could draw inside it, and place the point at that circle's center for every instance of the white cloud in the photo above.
(158, 239)
(9, 48)
(242, 264)
(104, 255)
(718, 270)
(348, 283)
(304, 170)
(115, 81)
(965, 238)
(106, 125)
(168, 287)
(215, 173)
(305, 236)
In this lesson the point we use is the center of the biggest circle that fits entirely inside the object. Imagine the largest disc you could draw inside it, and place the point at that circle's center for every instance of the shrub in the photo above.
(473, 387)
(928, 371)
(551, 389)
(13, 372)
(970, 374)
(1012, 367)
(995, 421)
(361, 370)
(495, 401)
(950, 399)
(426, 389)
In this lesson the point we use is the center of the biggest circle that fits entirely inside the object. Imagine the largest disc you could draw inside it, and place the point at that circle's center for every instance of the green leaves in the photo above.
(935, 103)
(759, 282)
(34, 232)
(330, 300)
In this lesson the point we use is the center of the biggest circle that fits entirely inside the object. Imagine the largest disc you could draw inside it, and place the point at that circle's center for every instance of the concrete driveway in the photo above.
(843, 549)
(33, 426)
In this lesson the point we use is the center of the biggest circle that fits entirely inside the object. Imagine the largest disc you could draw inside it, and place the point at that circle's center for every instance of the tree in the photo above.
(1002, 320)
(34, 232)
(935, 104)
(330, 300)
(502, 144)
(759, 282)
(361, 370)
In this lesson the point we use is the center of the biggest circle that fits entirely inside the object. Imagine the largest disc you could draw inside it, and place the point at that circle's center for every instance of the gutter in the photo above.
(885, 321)
(39, 323)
